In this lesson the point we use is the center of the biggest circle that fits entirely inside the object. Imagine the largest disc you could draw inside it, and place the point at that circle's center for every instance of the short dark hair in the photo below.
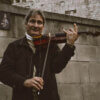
(33, 12)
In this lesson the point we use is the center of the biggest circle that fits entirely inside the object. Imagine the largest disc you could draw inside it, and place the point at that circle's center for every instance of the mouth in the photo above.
(35, 29)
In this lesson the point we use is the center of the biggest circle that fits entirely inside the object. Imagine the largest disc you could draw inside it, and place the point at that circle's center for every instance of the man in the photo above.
(23, 62)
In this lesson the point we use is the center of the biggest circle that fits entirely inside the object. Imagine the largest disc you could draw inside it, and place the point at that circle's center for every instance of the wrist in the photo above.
(70, 43)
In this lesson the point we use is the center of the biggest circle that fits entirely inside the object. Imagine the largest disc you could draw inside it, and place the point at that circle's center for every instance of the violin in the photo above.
(58, 37)
(54, 38)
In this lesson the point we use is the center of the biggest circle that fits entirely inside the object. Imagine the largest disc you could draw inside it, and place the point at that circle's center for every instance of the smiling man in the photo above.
(22, 64)
(35, 24)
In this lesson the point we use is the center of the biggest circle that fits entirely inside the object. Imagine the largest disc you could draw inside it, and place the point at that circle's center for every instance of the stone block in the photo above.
(75, 72)
(83, 39)
(70, 91)
(86, 53)
(70, 74)
(98, 40)
(84, 72)
(3, 33)
(6, 1)
(98, 53)
(55, 26)
(77, 41)
(49, 27)
(5, 92)
(19, 27)
(91, 91)
(94, 71)
(92, 40)
(4, 43)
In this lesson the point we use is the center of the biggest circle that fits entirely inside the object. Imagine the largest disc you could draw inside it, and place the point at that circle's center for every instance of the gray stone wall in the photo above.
(80, 79)
(84, 8)
(81, 8)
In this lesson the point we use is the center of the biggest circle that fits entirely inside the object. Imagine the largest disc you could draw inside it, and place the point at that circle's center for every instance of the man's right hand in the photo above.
(35, 82)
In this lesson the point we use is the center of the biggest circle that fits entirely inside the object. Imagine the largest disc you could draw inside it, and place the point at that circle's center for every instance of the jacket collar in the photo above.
(28, 36)
(24, 41)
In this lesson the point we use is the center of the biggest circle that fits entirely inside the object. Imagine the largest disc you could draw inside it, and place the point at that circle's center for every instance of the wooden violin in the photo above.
(57, 38)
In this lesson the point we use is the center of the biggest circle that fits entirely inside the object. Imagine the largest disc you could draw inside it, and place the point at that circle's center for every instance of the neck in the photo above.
(36, 36)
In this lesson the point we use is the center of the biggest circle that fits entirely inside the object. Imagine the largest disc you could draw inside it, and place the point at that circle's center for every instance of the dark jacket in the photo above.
(17, 66)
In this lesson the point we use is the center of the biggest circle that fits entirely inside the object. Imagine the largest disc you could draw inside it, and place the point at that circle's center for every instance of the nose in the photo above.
(36, 24)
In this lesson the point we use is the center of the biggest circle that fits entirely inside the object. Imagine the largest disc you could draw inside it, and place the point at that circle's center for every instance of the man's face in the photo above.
(35, 25)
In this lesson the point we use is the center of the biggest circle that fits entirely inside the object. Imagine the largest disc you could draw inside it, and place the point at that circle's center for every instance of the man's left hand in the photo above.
(71, 34)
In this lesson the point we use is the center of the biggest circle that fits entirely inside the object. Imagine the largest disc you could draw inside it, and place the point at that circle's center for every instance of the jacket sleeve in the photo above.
(8, 73)
(61, 57)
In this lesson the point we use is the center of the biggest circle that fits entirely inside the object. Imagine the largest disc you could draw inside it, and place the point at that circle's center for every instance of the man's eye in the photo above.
(39, 22)
(36, 21)
(32, 21)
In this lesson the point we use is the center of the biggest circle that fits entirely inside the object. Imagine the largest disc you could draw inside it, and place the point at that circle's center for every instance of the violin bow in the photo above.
(45, 60)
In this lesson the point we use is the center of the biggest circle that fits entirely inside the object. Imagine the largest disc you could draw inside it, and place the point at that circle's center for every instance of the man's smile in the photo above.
(35, 29)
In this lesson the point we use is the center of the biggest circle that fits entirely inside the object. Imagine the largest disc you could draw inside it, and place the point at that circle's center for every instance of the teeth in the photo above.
(35, 29)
